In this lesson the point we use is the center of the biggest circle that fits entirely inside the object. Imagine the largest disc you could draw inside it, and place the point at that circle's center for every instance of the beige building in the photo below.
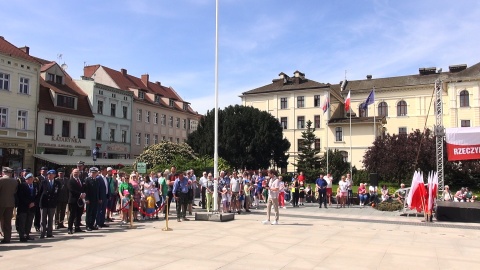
(19, 83)
(158, 112)
(402, 104)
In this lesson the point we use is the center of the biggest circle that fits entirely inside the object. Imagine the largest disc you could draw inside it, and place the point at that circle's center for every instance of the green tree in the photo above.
(247, 138)
(308, 159)
(165, 153)
(337, 166)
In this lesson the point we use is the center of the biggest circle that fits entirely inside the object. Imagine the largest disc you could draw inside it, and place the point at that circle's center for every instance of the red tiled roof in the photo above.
(11, 50)
(88, 71)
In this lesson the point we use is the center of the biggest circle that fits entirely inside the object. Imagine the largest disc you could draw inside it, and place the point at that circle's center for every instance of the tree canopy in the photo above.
(308, 159)
(247, 138)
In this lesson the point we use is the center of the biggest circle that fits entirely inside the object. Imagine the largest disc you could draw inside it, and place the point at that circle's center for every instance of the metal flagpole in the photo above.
(374, 119)
(215, 155)
(351, 154)
(328, 130)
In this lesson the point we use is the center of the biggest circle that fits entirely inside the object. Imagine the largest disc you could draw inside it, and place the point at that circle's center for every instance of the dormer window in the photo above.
(172, 103)
(54, 78)
(157, 98)
(50, 77)
(65, 101)
(141, 95)
(59, 79)
(185, 106)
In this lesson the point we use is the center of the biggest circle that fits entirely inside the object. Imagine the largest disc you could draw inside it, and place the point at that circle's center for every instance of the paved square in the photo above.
(306, 238)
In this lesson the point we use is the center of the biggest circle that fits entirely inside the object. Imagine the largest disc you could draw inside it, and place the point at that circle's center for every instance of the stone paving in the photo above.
(306, 238)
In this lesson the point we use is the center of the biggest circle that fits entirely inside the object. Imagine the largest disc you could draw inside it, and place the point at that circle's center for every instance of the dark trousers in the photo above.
(74, 216)
(38, 217)
(170, 198)
(182, 202)
(6, 215)
(102, 208)
(296, 196)
(204, 190)
(24, 222)
(60, 212)
(350, 196)
(322, 197)
(47, 221)
(91, 215)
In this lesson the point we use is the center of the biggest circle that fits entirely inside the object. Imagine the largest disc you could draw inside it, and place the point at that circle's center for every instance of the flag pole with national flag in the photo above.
(371, 100)
(325, 108)
(347, 109)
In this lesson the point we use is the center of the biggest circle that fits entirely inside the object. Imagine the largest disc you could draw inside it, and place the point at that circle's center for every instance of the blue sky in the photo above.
(174, 41)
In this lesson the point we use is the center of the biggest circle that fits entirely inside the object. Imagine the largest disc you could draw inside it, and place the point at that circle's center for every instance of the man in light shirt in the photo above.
(273, 190)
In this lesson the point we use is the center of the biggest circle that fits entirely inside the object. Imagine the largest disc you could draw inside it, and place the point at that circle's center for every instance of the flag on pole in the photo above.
(417, 195)
(347, 102)
(326, 104)
(370, 100)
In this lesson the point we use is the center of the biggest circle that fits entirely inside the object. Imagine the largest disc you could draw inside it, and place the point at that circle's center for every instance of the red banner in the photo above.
(463, 143)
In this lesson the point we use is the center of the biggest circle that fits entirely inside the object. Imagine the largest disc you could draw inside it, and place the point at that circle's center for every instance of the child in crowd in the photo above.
(224, 199)
(150, 205)
(125, 206)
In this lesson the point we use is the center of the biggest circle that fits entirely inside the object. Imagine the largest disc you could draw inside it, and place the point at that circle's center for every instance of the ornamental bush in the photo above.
(165, 152)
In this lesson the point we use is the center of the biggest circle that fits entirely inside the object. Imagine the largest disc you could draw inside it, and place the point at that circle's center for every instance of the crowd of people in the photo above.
(464, 194)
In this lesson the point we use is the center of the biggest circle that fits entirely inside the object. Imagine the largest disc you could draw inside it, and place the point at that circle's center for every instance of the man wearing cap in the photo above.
(27, 193)
(75, 201)
(49, 190)
(91, 198)
(103, 196)
(82, 174)
(37, 181)
(8, 189)
(24, 173)
(62, 199)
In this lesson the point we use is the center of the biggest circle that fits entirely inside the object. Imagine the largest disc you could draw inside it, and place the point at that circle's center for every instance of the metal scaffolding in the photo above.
(439, 134)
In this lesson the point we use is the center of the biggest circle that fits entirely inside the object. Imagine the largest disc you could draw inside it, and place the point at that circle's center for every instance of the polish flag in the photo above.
(417, 195)
(347, 102)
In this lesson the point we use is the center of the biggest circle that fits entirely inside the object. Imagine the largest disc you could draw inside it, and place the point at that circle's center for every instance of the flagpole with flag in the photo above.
(371, 100)
(325, 108)
(347, 109)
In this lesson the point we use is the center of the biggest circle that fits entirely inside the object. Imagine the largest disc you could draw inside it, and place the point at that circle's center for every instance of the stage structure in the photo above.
(439, 135)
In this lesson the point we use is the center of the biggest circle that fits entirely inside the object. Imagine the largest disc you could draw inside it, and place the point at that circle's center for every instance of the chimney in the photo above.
(25, 49)
(158, 83)
(145, 80)
(369, 77)
(427, 71)
(124, 72)
(457, 68)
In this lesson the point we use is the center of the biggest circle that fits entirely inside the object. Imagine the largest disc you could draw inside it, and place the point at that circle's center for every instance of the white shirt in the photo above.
(273, 184)
(106, 183)
(329, 181)
(203, 181)
(343, 186)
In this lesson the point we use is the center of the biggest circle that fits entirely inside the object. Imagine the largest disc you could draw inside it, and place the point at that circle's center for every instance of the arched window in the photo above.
(382, 109)
(363, 111)
(402, 108)
(464, 99)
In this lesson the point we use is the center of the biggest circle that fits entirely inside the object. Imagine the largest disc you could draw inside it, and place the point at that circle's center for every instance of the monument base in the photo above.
(204, 216)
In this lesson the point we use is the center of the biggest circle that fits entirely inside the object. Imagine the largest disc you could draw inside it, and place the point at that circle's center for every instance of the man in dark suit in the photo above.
(82, 174)
(37, 181)
(27, 192)
(8, 189)
(92, 198)
(104, 195)
(48, 202)
(62, 199)
(75, 201)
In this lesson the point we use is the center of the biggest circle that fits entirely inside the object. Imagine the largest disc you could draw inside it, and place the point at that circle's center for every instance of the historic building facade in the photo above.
(19, 83)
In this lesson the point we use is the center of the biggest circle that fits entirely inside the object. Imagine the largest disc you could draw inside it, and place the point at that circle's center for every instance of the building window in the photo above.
(178, 123)
(81, 130)
(157, 99)
(344, 155)
(363, 112)
(100, 92)
(65, 128)
(170, 139)
(163, 119)
(464, 99)
(316, 101)
(138, 137)
(125, 98)
(171, 103)
(301, 122)
(24, 85)
(155, 118)
(141, 94)
(3, 117)
(178, 140)
(155, 139)
(402, 131)
(164, 138)
(100, 107)
(98, 135)
(185, 106)
(147, 139)
(300, 102)
(124, 136)
(184, 123)
(59, 79)
(113, 109)
(125, 111)
(49, 124)
(112, 135)
(317, 144)
(114, 95)
(382, 109)
(22, 119)
(465, 123)
(147, 116)
(4, 81)
(50, 77)
(66, 102)
(139, 115)
(299, 144)
(170, 121)
(402, 108)
(338, 134)
(284, 122)
(317, 121)
(283, 103)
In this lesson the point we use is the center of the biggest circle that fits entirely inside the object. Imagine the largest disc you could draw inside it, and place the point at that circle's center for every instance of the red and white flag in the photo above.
(347, 102)
(416, 197)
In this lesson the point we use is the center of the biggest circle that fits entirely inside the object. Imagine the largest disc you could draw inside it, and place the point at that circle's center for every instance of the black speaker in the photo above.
(373, 179)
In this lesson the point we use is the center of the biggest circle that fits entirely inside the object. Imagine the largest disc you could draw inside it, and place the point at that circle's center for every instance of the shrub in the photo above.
(389, 206)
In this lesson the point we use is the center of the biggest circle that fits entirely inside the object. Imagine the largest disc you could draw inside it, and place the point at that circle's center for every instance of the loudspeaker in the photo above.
(373, 179)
